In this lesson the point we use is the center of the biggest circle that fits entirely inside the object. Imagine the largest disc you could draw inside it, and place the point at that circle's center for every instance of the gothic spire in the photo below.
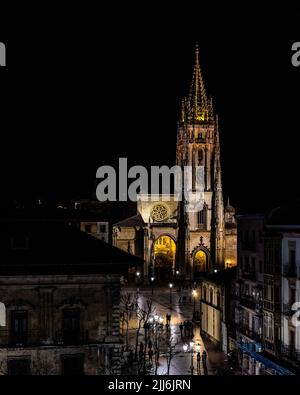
(198, 104)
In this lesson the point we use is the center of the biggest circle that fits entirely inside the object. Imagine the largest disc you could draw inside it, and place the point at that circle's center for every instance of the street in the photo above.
(183, 362)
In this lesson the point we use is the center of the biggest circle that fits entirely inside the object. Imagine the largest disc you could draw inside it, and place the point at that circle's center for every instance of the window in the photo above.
(200, 154)
(18, 367)
(2, 314)
(19, 327)
(71, 326)
(218, 299)
(73, 365)
(252, 264)
(102, 228)
(292, 295)
(88, 228)
(211, 296)
(292, 257)
(201, 218)
(247, 264)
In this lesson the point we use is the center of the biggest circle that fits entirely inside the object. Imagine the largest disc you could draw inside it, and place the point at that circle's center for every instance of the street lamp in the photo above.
(152, 284)
(170, 286)
(198, 347)
(191, 348)
(194, 293)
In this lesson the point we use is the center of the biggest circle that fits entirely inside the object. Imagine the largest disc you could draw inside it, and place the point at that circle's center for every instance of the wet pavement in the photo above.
(182, 361)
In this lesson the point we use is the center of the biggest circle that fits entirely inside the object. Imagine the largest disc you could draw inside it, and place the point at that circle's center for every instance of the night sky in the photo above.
(85, 87)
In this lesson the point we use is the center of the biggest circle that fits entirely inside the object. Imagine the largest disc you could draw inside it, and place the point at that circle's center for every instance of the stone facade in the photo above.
(60, 295)
(46, 343)
(205, 239)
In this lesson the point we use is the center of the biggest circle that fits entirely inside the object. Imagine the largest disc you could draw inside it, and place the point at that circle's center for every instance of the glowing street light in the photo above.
(170, 286)
(198, 347)
(194, 293)
(191, 348)
(152, 284)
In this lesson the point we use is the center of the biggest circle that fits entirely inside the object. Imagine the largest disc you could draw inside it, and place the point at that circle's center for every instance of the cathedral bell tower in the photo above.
(198, 145)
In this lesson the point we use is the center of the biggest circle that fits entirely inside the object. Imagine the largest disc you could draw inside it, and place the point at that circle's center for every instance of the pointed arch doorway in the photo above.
(164, 258)
(200, 262)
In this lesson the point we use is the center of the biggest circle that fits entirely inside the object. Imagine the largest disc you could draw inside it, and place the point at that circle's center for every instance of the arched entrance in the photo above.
(200, 262)
(164, 258)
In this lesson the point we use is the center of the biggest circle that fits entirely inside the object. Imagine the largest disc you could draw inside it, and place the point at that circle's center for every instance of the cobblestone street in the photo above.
(181, 362)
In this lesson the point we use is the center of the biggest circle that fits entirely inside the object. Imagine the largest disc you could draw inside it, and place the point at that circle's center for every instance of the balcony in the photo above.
(249, 275)
(272, 306)
(246, 331)
(200, 140)
(248, 301)
(71, 338)
(22, 339)
(287, 309)
(36, 338)
(290, 353)
(290, 271)
(248, 246)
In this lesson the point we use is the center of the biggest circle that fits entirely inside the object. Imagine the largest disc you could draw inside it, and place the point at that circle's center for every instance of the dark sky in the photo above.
(84, 87)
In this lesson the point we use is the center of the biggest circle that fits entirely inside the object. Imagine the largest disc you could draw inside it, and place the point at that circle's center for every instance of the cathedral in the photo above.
(173, 241)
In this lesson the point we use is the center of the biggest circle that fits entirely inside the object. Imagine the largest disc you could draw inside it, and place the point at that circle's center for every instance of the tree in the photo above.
(126, 308)
(171, 351)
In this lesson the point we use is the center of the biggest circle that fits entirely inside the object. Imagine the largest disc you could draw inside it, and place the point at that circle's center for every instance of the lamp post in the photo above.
(171, 287)
(194, 293)
(152, 284)
(191, 348)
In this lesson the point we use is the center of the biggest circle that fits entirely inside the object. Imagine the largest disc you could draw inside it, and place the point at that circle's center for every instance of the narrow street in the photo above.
(182, 361)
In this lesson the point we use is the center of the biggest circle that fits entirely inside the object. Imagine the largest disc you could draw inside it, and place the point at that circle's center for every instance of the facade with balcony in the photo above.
(266, 297)
(60, 289)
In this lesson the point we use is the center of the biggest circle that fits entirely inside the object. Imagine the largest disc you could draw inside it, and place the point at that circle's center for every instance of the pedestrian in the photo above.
(198, 362)
(150, 355)
(167, 327)
(188, 325)
(157, 357)
(141, 352)
(204, 357)
(185, 328)
(181, 330)
(150, 344)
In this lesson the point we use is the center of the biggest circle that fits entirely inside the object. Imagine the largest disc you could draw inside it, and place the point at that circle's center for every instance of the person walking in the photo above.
(181, 330)
(185, 328)
(157, 357)
(150, 355)
(141, 352)
(167, 327)
(198, 362)
(204, 358)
